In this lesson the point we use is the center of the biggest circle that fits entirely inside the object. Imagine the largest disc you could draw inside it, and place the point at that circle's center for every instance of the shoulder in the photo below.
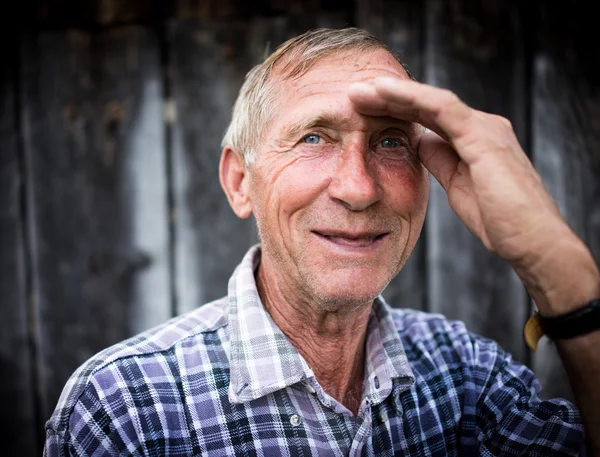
(444, 341)
(146, 354)
(415, 325)
(434, 344)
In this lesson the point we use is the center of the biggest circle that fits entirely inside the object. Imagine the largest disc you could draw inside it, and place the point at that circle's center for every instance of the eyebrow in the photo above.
(335, 120)
(322, 120)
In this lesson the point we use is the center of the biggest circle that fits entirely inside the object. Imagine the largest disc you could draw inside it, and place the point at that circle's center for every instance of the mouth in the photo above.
(352, 240)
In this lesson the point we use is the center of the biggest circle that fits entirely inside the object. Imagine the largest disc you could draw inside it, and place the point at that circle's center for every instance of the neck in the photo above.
(330, 338)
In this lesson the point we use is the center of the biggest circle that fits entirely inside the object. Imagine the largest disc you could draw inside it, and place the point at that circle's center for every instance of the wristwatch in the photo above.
(575, 323)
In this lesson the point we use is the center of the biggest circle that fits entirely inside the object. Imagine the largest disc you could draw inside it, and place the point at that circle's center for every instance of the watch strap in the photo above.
(570, 325)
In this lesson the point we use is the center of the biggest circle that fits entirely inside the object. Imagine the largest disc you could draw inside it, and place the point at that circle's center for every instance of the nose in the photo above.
(354, 183)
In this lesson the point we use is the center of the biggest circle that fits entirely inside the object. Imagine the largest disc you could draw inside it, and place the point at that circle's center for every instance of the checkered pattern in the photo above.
(224, 380)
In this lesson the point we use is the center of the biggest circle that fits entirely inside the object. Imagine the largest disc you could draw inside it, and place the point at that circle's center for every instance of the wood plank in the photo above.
(94, 143)
(398, 24)
(19, 429)
(74, 13)
(566, 139)
(210, 60)
(93, 13)
(242, 9)
(475, 50)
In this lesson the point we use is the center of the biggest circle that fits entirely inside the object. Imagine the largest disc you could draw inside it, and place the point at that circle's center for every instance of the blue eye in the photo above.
(389, 143)
(312, 139)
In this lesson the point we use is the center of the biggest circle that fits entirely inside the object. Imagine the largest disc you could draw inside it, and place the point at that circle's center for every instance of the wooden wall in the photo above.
(111, 215)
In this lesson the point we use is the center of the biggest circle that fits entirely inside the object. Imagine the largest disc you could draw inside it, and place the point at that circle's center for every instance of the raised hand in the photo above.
(491, 184)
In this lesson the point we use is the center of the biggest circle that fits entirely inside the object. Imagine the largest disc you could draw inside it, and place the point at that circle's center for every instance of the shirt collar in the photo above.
(263, 360)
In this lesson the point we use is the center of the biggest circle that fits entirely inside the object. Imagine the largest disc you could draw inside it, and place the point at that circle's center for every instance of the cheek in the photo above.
(406, 189)
(290, 188)
(302, 182)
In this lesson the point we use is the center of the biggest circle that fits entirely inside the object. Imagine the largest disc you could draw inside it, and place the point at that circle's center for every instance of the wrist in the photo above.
(563, 277)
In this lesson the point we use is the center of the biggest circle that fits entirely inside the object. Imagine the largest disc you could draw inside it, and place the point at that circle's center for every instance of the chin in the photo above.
(348, 290)
(336, 302)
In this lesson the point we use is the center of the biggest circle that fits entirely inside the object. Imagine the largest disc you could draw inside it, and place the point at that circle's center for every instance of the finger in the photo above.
(365, 98)
(437, 109)
(439, 158)
(367, 101)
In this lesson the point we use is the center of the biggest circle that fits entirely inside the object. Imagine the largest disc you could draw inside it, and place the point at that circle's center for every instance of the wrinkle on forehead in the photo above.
(338, 121)
(373, 62)
(325, 76)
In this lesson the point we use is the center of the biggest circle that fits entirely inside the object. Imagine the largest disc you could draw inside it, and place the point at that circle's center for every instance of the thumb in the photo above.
(438, 157)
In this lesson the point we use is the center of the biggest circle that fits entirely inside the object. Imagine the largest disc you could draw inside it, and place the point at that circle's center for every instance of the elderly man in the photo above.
(327, 149)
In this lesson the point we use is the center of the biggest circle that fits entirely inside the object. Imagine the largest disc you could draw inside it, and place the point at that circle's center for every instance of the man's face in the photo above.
(339, 197)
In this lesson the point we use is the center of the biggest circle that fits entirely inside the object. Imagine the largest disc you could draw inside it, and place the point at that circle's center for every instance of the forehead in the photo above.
(338, 70)
(324, 87)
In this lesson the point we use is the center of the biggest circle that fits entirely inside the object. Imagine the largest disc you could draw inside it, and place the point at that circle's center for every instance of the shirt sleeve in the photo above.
(511, 417)
(55, 445)
(90, 429)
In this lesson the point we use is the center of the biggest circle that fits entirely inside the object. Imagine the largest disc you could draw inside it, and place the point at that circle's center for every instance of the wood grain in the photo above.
(93, 137)
(18, 426)
(74, 13)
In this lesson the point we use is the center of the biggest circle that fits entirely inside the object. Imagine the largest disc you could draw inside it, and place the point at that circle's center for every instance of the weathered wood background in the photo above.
(111, 215)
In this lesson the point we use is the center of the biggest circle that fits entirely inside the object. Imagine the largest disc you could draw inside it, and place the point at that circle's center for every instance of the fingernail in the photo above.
(361, 85)
(387, 81)
(361, 88)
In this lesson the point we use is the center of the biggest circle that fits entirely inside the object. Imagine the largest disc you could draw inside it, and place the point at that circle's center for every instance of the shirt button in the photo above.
(295, 420)
(383, 416)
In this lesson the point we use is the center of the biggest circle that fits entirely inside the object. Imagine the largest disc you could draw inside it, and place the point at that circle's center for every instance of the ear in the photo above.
(234, 179)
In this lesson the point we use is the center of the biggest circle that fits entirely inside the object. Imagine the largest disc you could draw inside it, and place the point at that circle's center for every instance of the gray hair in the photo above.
(255, 104)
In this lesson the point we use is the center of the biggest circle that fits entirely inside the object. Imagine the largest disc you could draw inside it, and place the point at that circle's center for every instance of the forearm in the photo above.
(568, 278)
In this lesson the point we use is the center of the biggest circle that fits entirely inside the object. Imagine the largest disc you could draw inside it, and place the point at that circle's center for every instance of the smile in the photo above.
(352, 240)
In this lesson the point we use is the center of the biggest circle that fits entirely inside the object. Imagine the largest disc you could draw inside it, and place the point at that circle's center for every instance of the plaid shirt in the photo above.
(224, 380)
